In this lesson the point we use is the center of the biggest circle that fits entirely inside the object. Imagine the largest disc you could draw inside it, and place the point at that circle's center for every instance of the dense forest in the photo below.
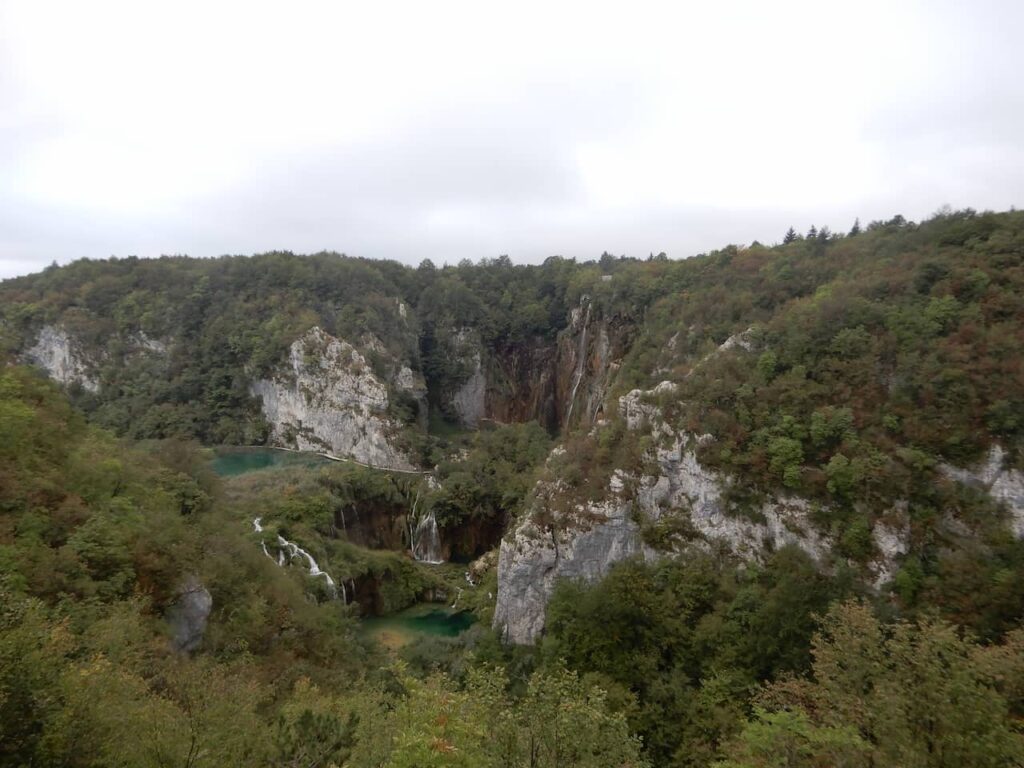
(855, 371)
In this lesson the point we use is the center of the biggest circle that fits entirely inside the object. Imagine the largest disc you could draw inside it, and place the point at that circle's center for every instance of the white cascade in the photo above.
(426, 543)
(314, 570)
(294, 550)
(581, 356)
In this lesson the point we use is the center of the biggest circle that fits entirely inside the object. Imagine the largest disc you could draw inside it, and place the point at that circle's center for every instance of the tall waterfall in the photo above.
(581, 358)
(424, 536)
(426, 544)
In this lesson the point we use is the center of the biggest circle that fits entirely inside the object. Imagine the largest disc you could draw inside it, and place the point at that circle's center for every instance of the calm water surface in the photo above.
(403, 627)
(230, 462)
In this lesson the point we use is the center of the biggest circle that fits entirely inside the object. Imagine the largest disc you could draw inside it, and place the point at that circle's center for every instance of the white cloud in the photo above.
(452, 130)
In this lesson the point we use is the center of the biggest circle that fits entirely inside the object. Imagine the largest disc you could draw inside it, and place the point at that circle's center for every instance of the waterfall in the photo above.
(426, 543)
(294, 550)
(314, 570)
(580, 360)
(424, 536)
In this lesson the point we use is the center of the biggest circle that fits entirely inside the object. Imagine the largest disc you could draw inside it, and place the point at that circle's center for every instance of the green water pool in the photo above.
(403, 627)
(230, 462)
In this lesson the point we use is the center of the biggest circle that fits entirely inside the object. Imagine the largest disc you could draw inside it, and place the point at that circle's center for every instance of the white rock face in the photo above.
(326, 398)
(742, 340)
(586, 543)
(149, 344)
(1002, 484)
(685, 486)
(892, 542)
(407, 380)
(56, 352)
(469, 401)
(532, 559)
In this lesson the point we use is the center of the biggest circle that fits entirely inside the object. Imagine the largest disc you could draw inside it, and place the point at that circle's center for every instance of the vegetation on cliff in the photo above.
(868, 363)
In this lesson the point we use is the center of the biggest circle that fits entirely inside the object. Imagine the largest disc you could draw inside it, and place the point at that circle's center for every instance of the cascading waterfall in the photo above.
(424, 536)
(426, 546)
(293, 550)
(580, 360)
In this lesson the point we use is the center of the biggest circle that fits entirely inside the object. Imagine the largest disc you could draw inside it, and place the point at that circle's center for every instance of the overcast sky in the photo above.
(465, 130)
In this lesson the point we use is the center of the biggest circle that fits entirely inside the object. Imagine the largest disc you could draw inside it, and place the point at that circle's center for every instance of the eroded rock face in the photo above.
(326, 398)
(558, 382)
(586, 543)
(533, 559)
(188, 616)
(56, 352)
(469, 401)
(892, 542)
(1004, 485)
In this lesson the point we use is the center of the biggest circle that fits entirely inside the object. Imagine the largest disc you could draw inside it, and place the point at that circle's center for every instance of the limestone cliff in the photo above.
(1003, 484)
(325, 397)
(679, 496)
(560, 382)
(469, 400)
(679, 505)
(58, 354)
(534, 557)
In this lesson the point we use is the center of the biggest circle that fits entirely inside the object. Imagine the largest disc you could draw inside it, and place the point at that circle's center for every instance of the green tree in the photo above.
(905, 694)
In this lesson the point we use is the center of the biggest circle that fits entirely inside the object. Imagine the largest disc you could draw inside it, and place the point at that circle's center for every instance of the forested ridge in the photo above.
(869, 362)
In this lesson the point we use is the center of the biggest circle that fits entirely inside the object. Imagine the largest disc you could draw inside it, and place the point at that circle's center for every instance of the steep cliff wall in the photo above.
(680, 505)
(326, 398)
(58, 354)
(1003, 484)
(560, 383)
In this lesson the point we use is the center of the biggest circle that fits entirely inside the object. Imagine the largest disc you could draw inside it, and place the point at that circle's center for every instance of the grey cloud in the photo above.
(478, 172)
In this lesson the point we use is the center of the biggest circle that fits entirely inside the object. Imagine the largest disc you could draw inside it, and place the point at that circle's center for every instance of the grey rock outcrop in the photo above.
(469, 401)
(58, 354)
(586, 543)
(532, 560)
(892, 542)
(188, 616)
(326, 398)
(1004, 485)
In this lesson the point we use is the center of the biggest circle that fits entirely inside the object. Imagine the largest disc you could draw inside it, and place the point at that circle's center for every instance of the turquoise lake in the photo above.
(230, 462)
(400, 628)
